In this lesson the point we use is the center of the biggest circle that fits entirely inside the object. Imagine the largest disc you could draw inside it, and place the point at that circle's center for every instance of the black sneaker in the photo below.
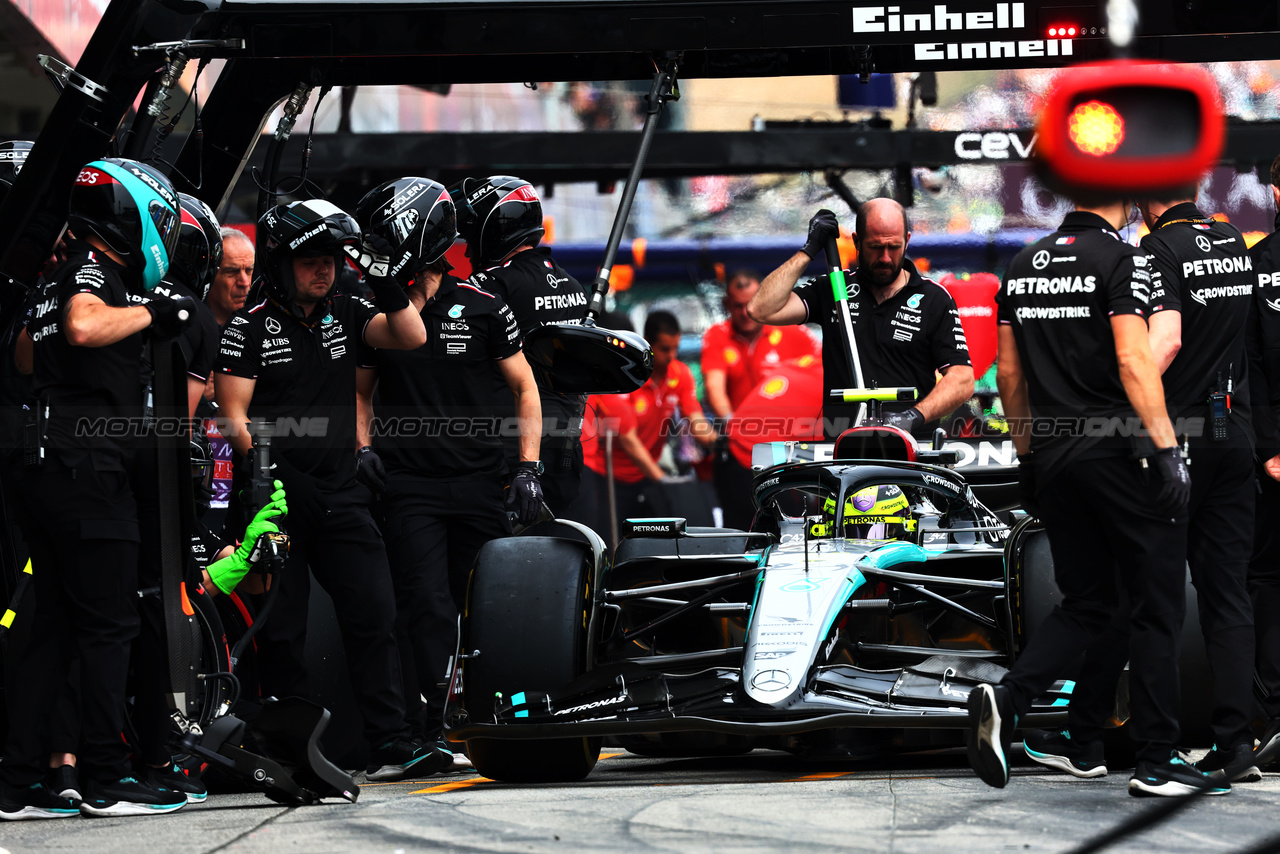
(459, 763)
(1268, 749)
(991, 724)
(130, 796)
(66, 782)
(1172, 779)
(35, 801)
(172, 777)
(401, 758)
(1234, 766)
(1055, 749)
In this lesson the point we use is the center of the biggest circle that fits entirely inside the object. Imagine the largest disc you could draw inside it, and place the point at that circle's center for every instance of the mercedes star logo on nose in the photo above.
(771, 680)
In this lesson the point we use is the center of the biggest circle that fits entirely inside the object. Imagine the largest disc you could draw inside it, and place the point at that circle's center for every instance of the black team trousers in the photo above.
(1104, 535)
(434, 530)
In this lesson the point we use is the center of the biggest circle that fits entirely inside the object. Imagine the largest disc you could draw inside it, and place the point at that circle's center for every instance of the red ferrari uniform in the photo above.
(647, 410)
(745, 362)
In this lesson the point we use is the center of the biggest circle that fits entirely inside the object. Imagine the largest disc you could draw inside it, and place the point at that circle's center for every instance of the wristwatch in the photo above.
(536, 465)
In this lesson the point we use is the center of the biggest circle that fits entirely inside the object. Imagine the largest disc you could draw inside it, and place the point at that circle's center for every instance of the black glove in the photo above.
(1175, 488)
(370, 471)
(307, 508)
(169, 316)
(822, 228)
(1027, 482)
(910, 420)
(524, 496)
(373, 257)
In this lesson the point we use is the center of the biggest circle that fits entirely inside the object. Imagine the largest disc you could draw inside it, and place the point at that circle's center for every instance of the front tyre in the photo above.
(527, 611)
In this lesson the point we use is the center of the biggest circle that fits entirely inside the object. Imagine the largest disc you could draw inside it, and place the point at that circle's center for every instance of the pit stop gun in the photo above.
(272, 549)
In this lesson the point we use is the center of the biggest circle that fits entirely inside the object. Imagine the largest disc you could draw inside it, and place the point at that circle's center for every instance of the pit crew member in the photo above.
(906, 327)
(1074, 360)
(1202, 283)
(444, 487)
(230, 286)
(500, 218)
(87, 351)
(652, 407)
(1264, 567)
(735, 355)
(292, 359)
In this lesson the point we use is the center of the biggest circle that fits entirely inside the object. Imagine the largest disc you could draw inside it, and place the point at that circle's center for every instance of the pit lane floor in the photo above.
(763, 801)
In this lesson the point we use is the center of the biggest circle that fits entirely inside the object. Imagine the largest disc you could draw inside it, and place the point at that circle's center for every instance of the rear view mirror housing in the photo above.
(573, 359)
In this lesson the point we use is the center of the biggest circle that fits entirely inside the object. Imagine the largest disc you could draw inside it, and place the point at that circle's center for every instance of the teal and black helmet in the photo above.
(132, 208)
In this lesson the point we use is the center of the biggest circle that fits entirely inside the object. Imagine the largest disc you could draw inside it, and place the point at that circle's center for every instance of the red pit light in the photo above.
(1095, 128)
(1053, 31)
(1062, 31)
(1071, 32)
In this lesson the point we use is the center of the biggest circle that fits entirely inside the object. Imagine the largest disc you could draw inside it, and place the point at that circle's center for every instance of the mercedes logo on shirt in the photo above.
(273, 326)
(771, 680)
(1203, 243)
(1041, 259)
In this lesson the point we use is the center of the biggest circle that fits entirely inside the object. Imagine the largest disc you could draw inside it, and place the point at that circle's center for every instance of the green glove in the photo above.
(227, 573)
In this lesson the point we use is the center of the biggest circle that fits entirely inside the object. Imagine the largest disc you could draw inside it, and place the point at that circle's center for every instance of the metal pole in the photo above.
(662, 90)
(610, 491)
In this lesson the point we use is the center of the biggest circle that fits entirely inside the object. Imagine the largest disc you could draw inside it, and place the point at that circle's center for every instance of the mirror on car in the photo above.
(572, 359)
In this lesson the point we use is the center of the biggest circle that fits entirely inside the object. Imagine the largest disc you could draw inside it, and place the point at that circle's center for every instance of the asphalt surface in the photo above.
(762, 801)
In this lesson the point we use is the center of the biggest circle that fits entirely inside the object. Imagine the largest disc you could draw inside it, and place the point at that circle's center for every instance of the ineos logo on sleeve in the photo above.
(1040, 260)
(1203, 243)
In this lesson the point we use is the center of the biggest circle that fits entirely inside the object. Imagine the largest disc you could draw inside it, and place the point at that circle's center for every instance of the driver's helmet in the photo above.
(875, 513)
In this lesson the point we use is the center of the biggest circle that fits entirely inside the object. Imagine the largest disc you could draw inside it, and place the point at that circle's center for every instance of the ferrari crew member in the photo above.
(437, 434)
(1202, 283)
(906, 327)
(500, 218)
(1264, 567)
(736, 354)
(292, 359)
(87, 338)
(1075, 362)
(651, 408)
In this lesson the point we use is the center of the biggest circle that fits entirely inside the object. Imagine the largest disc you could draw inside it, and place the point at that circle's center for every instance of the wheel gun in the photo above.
(272, 549)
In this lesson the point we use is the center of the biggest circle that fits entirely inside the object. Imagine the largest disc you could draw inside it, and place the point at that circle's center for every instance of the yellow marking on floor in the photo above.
(449, 787)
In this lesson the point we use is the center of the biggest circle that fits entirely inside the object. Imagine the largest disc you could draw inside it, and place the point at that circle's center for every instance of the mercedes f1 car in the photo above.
(877, 587)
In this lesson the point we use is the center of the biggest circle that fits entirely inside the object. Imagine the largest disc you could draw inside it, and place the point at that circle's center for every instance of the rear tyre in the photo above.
(527, 615)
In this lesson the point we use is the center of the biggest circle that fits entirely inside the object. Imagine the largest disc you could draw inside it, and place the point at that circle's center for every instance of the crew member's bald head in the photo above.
(882, 215)
(882, 235)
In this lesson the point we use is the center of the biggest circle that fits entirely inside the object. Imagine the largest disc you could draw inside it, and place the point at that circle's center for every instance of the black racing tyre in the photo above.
(1035, 595)
(527, 610)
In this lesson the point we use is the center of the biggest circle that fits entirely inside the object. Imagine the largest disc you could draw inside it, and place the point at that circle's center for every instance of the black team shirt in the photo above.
(1264, 344)
(87, 384)
(1059, 295)
(901, 342)
(306, 379)
(438, 415)
(538, 291)
(1202, 268)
